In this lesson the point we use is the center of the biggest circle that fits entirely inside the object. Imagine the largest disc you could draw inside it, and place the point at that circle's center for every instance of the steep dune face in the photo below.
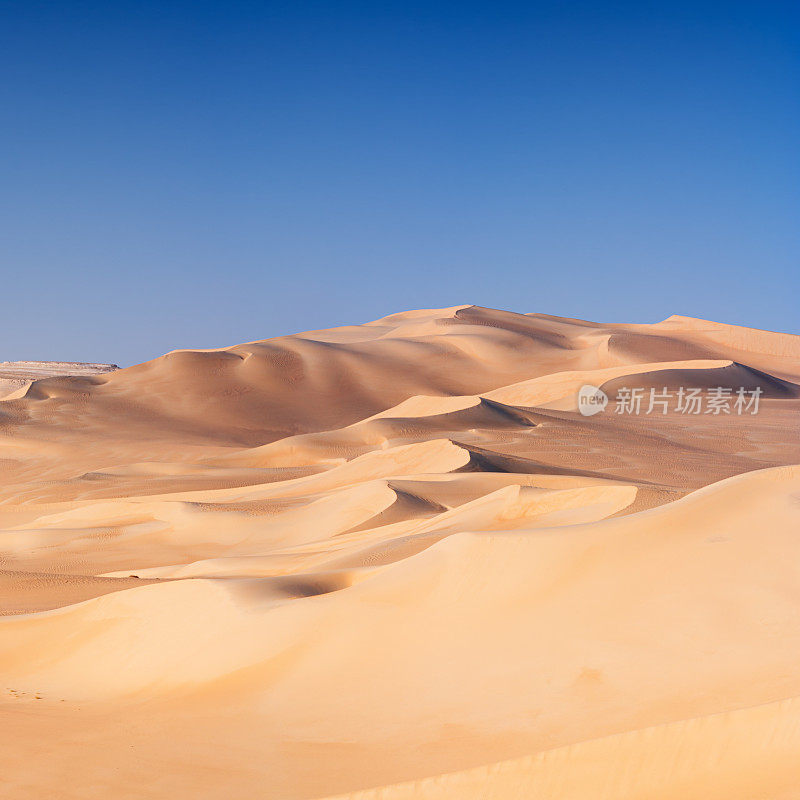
(395, 560)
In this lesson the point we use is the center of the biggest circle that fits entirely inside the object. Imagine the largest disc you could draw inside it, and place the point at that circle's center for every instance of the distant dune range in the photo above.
(393, 560)
(17, 376)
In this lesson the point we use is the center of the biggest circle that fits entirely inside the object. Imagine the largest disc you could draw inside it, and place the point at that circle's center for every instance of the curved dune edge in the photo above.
(548, 390)
(748, 753)
(136, 638)
(512, 507)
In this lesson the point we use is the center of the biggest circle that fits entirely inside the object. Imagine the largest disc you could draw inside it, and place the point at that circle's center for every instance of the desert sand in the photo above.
(394, 560)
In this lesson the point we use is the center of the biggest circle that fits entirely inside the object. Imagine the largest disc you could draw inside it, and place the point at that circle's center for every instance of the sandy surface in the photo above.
(394, 561)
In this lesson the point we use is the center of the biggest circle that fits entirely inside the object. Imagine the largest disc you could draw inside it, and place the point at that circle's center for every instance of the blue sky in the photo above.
(200, 174)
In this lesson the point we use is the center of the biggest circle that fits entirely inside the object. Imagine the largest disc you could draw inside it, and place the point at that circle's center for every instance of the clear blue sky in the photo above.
(203, 173)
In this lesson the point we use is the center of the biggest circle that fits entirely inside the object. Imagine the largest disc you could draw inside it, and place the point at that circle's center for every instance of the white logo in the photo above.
(591, 400)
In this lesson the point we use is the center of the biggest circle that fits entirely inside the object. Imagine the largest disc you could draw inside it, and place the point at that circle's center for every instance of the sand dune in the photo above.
(394, 560)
